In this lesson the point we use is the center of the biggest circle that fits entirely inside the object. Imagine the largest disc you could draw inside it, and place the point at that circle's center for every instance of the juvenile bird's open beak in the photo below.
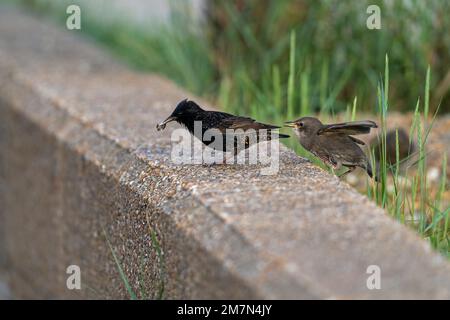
(290, 124)
(162, 125)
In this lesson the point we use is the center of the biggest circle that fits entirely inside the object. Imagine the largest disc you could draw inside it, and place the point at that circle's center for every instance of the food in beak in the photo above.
(162, 125)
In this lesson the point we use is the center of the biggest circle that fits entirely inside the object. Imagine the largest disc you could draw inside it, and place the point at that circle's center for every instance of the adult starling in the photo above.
(187, 112)
(333, 143)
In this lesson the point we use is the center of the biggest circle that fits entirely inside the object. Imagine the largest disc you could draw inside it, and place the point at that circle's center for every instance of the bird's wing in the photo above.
(348, 128)
(243, 123)
(355, 140)
(326, 157)
(223, 121)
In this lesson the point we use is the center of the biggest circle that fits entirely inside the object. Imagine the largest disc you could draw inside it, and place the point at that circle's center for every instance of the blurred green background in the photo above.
(237, 52)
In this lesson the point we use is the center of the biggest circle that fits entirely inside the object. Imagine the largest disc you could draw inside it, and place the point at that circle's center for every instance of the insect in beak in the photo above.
(162, 125)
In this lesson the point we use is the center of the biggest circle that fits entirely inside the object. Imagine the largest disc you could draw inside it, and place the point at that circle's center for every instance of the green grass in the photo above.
(161, 262)
(123, 277)
(240, 55)
(411, 203)
(281, 62)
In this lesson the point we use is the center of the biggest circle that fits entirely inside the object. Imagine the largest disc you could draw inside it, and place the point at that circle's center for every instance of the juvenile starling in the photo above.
(187, 112)
(333, 143)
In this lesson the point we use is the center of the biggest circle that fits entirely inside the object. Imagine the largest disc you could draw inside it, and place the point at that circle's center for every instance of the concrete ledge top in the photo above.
(299, 234)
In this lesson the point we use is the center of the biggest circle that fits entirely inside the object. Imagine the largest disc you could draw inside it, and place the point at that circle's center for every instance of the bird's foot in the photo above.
(350, 169)
(229, 159)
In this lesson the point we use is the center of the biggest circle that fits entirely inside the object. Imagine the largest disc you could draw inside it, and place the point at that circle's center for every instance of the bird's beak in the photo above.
(162, 125)
(290, 124)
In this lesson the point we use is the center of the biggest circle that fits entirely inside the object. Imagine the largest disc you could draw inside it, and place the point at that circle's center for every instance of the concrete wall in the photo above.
(82, 165)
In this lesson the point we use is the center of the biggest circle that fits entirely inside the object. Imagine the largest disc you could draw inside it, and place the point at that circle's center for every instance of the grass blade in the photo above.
(119, 268)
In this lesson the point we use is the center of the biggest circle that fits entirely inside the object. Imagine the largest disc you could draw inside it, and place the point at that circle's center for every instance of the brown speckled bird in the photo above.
(333, 143)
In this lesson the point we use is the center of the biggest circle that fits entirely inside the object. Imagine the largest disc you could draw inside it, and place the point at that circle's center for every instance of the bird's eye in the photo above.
(300, 124)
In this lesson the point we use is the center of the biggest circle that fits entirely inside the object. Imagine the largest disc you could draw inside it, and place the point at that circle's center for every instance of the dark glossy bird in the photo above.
(333, 143)
(187, 112)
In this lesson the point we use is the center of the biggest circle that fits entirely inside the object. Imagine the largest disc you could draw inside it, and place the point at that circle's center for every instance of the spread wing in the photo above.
(355, 140)
(349, 128)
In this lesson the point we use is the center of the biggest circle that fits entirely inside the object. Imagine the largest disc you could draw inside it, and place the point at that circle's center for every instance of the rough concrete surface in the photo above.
(5, 293)
(82, 164)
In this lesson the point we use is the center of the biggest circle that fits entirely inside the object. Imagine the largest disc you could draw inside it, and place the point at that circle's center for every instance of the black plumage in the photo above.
(187, 112)
(333, 143)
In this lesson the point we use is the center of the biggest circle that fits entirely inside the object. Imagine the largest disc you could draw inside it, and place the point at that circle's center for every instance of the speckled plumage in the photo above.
(187, 112)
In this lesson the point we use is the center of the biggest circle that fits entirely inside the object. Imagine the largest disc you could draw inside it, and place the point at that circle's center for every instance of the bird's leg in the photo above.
(216, 161)
(208, 165)
(350, 169)
(335, 166)
(229, 159)
(234, 155)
